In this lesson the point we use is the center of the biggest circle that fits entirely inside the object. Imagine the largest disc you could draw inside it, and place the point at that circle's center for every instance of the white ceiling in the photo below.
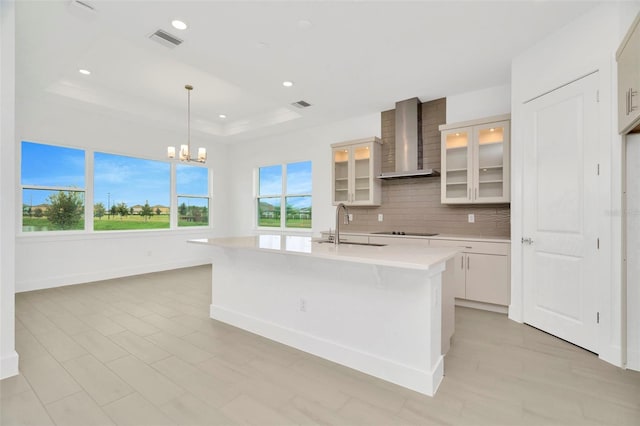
(354, 58)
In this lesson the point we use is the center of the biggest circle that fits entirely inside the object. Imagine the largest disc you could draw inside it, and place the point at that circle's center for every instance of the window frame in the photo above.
(91, 218)
(84, 190)
(175, 195)
(88, 191)
(282, 197)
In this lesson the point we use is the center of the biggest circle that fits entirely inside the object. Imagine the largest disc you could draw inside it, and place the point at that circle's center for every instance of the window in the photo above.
(192, 188)
(53, 188)
(284, 195)
(130, 193)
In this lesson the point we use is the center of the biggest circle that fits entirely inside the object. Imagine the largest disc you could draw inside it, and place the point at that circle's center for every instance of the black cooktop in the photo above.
(409, 234)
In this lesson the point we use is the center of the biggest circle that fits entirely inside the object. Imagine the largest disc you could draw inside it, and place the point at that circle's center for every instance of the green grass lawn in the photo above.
(32, 224)
(291, 223)
(106, 223)
(115, 223)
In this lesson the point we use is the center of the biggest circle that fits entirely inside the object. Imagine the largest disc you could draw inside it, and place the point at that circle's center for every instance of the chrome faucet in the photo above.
(336, 239)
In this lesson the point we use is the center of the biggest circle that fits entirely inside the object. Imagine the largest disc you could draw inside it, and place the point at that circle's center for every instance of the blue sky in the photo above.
(298, 182)
(48, 165)
(133, 181)
(116, 178)
(119, 179)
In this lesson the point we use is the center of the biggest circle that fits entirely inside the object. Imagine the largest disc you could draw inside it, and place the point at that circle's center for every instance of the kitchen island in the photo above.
(378, 309)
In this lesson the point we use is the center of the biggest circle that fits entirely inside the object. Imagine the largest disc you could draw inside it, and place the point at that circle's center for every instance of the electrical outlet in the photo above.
(303, 305)
(380, 217)
(472, 218)
(350, 217)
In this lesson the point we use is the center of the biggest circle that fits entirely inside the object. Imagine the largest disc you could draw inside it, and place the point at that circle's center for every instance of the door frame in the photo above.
(609, 297)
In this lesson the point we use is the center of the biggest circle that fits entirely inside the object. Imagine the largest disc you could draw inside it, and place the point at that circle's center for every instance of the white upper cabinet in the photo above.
(628, 57)
(355, 167)
(475, 161)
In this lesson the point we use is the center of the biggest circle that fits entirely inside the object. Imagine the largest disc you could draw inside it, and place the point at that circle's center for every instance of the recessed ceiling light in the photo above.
(179, 25)
(222, 116)
(84, 71)
(287, 83)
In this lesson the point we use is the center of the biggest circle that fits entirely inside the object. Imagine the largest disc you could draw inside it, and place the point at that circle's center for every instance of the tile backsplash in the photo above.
(413, 205)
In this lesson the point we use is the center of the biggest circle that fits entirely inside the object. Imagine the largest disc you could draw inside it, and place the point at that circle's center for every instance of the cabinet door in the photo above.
(487, 278)
(362, 174)
(629, 81)
(491, 163)
(457, 276)
(456, 163)
(341, 190)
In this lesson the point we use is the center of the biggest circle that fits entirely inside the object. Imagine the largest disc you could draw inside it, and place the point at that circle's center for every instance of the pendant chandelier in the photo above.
(185, 150)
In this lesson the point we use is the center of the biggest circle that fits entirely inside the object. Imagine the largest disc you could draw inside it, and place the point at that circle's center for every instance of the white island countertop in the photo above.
(404, 256)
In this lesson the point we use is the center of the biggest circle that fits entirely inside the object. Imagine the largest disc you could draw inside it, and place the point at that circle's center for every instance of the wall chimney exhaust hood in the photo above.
(409, 142)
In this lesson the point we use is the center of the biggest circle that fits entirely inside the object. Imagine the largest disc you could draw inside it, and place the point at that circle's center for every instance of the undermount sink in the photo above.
(353, 243)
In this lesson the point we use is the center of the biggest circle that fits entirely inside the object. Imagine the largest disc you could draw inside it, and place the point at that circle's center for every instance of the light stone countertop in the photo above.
(400, 256)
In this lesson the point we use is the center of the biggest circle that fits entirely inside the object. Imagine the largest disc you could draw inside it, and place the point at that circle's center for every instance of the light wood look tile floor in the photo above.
(142, 351)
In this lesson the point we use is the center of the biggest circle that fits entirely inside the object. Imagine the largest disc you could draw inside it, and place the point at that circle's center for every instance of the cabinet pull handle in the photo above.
(468, 262)
(462, 262)
(632, 93)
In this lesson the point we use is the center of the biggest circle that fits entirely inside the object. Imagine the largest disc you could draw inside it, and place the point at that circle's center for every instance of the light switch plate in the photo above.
(380, 217)
(472, 218)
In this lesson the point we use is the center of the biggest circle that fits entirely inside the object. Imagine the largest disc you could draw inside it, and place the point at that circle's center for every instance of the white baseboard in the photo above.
(9, 365)
(93, 276)
(482, 306)
(425, 382)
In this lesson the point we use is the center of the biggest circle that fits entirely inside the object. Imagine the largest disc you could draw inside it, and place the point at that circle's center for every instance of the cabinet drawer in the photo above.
(474, 246)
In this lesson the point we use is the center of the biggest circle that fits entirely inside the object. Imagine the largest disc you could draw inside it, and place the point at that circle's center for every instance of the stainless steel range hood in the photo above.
(409, 142)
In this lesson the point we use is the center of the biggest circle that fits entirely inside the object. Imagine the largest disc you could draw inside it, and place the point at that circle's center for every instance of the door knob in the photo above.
(526, 240)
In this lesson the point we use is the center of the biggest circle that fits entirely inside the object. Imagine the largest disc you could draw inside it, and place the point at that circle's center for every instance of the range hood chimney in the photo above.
(409, 142)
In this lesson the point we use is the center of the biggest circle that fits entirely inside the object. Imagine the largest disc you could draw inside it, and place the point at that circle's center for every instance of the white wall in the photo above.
(308, 144)
(46, 260)
(584, 45)
(8, 355)
(482, 103)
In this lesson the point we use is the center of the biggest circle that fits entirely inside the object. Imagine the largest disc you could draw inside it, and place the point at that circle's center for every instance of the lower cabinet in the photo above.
(487, 278)
(480, 272)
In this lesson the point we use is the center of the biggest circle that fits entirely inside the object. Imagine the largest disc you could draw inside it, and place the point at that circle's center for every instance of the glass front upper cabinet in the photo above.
(356, 165)
(490, 163)
(475, 162)
(456, 171)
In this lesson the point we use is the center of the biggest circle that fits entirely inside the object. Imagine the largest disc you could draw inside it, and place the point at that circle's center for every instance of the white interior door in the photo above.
(633, 250)
(560, 195)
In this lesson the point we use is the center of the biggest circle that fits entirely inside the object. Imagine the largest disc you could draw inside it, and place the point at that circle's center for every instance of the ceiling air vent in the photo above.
(82, 9)
(301, 104)
(83, 5)
(165, 39)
